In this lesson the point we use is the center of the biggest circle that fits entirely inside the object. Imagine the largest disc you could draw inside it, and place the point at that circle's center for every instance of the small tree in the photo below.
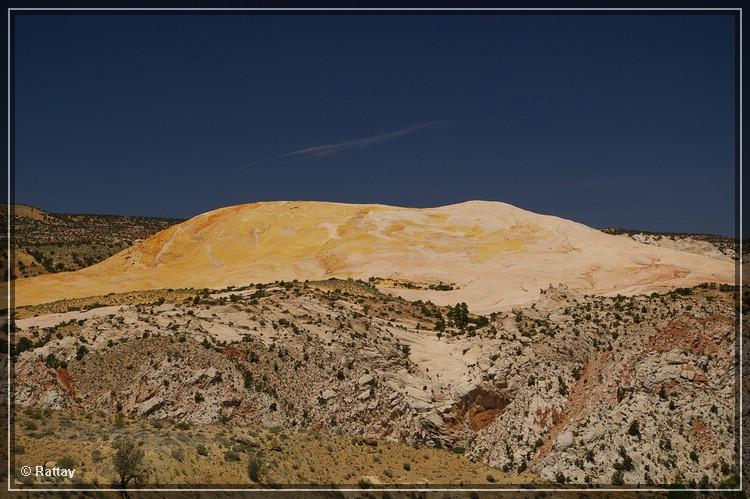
(460, 315)
(440, 324)
(129, 466)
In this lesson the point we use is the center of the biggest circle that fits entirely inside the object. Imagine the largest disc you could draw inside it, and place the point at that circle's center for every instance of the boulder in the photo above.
(564, 440)
(150, 406)
(364, 395)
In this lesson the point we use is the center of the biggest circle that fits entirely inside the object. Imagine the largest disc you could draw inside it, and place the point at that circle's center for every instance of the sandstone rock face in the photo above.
(496, 255)
(688, 244)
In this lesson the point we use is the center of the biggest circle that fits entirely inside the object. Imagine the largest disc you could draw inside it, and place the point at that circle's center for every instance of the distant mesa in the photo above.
(494, 255)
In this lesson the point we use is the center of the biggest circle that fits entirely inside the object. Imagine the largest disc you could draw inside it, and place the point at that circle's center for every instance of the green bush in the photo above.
(617, 478)
(22, 345)
(81, 352)
(634, 430)
(51, 361)
(255, 467)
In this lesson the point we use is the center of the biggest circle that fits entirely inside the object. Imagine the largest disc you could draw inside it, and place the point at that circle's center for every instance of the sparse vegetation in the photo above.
(129, 464)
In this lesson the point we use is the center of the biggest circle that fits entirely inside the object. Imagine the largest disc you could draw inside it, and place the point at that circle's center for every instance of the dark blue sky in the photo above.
(608, 120)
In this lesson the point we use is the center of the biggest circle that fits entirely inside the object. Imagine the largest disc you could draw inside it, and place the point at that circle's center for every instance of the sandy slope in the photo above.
(496, 254)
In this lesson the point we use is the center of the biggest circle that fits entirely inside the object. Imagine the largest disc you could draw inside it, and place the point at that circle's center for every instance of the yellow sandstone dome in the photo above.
(494, 254)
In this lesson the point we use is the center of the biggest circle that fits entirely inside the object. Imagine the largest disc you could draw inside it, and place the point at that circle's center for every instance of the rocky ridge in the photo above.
(575, 388)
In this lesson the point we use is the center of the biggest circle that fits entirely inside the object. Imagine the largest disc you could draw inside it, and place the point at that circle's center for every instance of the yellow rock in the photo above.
(496, 254)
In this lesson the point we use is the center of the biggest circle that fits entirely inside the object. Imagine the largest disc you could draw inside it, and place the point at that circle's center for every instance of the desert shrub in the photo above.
(627, 461)
(364, 483)
(255, 466)
(22, 345)
(51, 361)
(617, 478)
(66, 462)
(201, 450)
(35, 412)
(81, 352)
(634, 429)
(665, 443)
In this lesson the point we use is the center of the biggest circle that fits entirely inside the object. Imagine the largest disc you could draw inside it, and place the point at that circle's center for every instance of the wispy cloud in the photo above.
(328, 149)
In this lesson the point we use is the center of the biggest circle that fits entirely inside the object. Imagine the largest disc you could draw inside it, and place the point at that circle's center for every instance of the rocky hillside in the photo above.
(493, 256)
(571, 388)
(55, 242)
(710, 245)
